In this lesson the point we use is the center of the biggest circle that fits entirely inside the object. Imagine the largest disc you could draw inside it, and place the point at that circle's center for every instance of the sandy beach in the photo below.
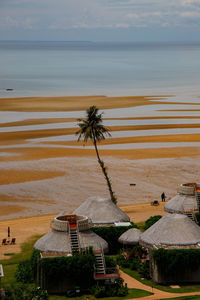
(41, 177)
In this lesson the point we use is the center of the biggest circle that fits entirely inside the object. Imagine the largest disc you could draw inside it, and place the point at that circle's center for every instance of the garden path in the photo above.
(158, 294)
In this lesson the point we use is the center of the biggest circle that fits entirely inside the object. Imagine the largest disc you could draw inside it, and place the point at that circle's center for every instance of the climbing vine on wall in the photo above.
(175, 261)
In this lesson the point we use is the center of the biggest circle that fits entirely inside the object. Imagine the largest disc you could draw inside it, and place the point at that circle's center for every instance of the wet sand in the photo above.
(40, 179)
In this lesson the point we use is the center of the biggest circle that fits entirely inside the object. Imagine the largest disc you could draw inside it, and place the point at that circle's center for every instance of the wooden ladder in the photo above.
(74, 239)
(100, 267)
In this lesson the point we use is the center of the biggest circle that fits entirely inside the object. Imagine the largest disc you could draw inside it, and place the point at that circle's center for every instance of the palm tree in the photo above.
(92, 129)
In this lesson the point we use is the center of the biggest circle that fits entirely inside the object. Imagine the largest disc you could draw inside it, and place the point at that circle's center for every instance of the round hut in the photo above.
(69, 233)
(102, 211)
(130, 237)
(186, 199)
(177, 232)
(172, 231)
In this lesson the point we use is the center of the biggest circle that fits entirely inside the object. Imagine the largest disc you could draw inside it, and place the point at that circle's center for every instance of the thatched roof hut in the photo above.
(185, 199)
(57, 241)
(102, 211)
(172, 231)
(130, 237)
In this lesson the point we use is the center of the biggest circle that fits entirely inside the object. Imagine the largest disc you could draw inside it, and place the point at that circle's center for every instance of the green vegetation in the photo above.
(79, 268)
(114, 290)
(10, 265)
(198, 218)
(134, 263)
(172, 263)
(24, 272)
(25, 292)
(111, 235)
(132, 293)
(92, 129)
(152, 220)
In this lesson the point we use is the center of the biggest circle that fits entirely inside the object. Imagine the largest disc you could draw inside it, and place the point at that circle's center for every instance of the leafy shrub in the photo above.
(24, 272)
(24, 292)
(152, 220)
(39, 294)
(144, 269)
(122, 261)
(115, 290)
(34, 261)
(135, 264)
(111, 235)
(99, 291)
(27, 269)
(110, 262)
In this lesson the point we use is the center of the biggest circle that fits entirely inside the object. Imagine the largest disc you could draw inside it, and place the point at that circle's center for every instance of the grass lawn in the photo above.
(10, 265)
(182, 289)
(133, 293)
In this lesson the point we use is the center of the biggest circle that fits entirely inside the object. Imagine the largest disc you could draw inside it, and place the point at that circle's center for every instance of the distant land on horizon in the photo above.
(104, 42)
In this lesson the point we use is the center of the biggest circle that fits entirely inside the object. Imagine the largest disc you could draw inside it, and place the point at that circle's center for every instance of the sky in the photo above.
(100, 20)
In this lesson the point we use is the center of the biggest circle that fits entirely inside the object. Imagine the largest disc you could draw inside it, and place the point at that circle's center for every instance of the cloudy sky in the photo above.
(100, 20)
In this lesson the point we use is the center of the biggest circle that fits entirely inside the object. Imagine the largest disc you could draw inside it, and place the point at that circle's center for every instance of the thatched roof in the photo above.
(172, 230)
(181, 202)
(59, 241)
(130, 237)
(102, 211)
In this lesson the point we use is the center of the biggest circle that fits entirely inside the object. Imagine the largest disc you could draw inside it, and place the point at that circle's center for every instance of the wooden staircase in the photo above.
(100, 267)
(74, 239)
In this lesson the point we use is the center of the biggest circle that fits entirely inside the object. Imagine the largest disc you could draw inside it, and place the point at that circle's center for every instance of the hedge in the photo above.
(79, 268)
(111, 235)
(175, 261)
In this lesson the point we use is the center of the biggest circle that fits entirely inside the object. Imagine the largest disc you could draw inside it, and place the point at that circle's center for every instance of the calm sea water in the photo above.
(84, 68)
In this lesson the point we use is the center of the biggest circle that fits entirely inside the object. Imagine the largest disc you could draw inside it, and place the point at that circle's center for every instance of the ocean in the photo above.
(88, 68)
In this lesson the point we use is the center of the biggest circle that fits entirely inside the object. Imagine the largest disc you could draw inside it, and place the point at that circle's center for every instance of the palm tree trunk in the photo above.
(101, 163)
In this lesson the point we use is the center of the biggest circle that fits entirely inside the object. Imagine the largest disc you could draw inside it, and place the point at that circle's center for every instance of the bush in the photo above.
(110, 262)
(34, 261)
(115, 290)
(122, 261)
(99, 291)
(135, 264)
(24, 272)
(111, 235)
(24, 292)
(39, 294)
(144, 269)
(152, 220)
(27, 269)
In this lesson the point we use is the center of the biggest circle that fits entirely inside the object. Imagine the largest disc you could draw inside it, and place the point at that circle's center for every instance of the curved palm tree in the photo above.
(92, 129)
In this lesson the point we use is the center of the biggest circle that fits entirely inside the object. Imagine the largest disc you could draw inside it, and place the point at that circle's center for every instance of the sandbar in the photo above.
(38, 180)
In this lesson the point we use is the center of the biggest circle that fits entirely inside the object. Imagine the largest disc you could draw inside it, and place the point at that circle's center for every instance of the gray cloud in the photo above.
(69, 15)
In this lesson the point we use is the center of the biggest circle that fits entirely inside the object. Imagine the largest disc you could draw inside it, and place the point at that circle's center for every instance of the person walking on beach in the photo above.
(163, 197)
